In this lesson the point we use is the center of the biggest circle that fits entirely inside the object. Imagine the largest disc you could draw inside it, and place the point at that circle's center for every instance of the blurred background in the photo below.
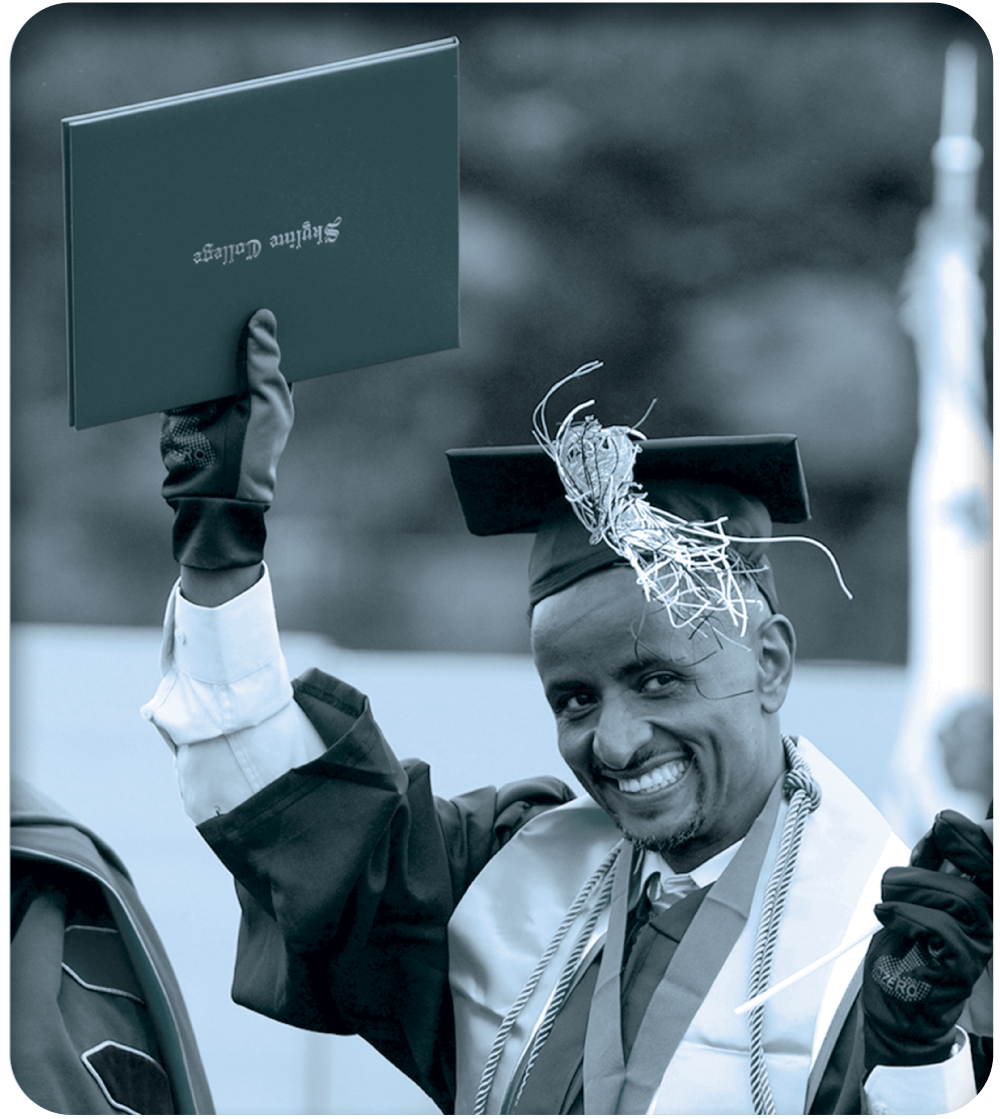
(717, 201)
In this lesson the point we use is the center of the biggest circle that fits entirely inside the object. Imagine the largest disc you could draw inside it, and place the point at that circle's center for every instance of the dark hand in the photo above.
(938, 937)
(222, 458)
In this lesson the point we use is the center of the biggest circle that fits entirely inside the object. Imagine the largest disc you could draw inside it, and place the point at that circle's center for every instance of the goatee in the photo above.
(676, 843)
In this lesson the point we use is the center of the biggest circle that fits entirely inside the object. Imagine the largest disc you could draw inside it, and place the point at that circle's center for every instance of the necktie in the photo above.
(663, 892)
(658, 894)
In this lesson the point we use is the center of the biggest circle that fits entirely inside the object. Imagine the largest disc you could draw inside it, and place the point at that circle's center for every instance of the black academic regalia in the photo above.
(348, 870)
(98, 1023)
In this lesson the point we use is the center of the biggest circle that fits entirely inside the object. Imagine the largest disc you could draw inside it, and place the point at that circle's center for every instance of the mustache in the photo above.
(642, 758)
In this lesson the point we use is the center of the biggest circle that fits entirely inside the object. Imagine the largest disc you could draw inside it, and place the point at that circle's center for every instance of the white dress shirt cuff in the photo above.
(225, 703)
(223, 667)
(923, 1089)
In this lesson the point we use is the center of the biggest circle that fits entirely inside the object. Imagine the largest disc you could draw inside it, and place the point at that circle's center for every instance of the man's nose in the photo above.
(619, 736)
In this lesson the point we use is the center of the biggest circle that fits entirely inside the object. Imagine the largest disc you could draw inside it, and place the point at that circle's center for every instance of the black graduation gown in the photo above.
(348, 870)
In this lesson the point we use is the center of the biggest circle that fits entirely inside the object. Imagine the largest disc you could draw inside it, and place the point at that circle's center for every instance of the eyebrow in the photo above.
(624, 674)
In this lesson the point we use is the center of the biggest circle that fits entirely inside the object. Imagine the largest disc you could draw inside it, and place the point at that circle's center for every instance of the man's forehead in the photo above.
(609, 610)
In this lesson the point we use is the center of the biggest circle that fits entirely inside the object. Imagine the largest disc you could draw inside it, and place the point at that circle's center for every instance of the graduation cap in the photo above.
(509, 489)
(745, 481)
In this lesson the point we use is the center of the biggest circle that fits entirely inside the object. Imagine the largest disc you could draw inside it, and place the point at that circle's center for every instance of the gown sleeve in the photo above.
(348, 869)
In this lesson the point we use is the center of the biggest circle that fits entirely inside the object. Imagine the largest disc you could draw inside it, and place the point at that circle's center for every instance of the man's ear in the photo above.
(775, 661)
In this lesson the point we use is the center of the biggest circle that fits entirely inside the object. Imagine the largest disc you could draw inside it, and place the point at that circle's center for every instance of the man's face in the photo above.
(672, 731)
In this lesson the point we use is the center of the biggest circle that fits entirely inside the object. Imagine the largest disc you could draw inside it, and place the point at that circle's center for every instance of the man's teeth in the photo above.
(660, 778)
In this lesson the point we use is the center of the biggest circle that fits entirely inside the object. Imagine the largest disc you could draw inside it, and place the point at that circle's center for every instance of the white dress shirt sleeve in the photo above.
(225, 702)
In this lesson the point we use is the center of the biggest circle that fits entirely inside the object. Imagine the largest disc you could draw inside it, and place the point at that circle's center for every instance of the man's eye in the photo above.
(658, 682)
(573, 703)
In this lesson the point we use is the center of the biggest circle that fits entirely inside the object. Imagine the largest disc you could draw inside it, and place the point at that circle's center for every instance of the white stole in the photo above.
(507, 918)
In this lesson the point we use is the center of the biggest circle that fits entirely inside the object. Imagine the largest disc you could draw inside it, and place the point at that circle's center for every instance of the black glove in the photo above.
(938, 937)
(222, 458)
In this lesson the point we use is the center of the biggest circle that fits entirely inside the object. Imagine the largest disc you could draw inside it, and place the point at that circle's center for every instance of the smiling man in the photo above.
(674, 733)
(523, 950)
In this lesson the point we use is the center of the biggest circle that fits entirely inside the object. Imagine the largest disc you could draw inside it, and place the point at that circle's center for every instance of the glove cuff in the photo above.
(218, 533)
(895, 1052)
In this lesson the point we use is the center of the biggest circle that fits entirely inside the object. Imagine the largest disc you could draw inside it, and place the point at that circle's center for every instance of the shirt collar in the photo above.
(710, 871)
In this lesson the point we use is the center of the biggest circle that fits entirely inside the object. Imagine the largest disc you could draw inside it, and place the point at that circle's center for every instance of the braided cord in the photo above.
(564, 986)
(804, 797)
(496, 1052)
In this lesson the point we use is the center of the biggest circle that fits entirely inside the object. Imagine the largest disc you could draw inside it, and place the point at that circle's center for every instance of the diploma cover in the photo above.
(329, 195)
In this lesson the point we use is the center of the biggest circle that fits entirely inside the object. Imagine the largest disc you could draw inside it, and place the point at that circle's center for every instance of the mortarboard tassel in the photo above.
(689, 567)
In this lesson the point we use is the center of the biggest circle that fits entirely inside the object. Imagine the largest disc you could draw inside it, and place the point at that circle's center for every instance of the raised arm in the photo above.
(348, 866)
(225, 704)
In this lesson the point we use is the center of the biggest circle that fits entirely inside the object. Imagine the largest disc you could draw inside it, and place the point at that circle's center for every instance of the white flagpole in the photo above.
(942, 756)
